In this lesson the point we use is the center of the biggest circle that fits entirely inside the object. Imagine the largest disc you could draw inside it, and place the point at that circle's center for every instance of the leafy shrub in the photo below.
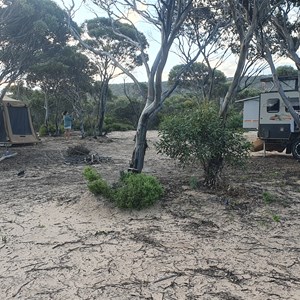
(200, 136)
(100, 187)
(90, 174)
(132, 191)
(138, 191)
(235, 121)
(117, 126)
(268, 198)
(276, 218)
(51, 129)
(96, 184)
(43, 131)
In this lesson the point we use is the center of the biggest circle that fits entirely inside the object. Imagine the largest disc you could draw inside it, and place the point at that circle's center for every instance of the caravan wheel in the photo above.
(296, 149)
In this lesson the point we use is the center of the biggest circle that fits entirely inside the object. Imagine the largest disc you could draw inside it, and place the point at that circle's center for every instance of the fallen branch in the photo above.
(8, 155)
(20, 288)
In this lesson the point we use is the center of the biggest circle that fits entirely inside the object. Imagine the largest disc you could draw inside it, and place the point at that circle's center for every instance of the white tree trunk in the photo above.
(285, 99)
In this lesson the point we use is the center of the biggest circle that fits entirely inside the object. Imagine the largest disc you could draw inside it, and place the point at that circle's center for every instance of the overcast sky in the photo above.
(228, 67)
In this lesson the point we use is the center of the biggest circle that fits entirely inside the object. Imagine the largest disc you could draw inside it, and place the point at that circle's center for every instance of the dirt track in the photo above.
(59, 242)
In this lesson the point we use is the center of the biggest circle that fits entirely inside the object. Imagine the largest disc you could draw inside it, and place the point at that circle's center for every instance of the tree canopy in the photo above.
(27, 29)
(197, 79)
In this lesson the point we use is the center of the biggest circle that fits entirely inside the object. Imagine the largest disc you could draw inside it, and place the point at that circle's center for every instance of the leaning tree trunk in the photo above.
(102, 107)
(138, 155)
(81, 120)
(269, 59)
(46, 107)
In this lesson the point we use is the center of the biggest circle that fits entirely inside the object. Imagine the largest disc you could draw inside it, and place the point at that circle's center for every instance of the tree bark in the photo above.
(245, 39)
(102, 106)
(46, 107)
(138, 155)
(282, 94)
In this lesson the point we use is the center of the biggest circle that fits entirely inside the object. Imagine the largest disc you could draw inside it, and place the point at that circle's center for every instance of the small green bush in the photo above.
(268, 198)
(90, 174)
(43, 131)
(52, 129)
(96, 184)
(118, 127)
(276, 218)
(134, 191)
(199, 137)
(100, 187)
(138, 191)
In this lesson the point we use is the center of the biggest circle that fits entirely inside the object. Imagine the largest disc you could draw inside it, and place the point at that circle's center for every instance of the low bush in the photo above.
(96, 184)
(100, 187)
(43, 131)
(201, 137)
(135, 191)
(90, 174)
(138, 191)
(118, 126)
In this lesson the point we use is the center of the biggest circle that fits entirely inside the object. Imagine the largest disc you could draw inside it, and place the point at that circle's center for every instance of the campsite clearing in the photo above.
(58, 241)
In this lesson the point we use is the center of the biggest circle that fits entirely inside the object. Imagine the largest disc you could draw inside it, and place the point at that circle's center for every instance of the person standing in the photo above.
(68, 118)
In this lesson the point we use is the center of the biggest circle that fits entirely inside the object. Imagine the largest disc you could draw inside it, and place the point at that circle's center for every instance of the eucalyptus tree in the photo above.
(65, 79)
(78, 83)
(27, 29)
(285, 20)
(246, 17)
(100, 34)
(205, 30)
(163, 18)
(279, 35)
(286, 70)
(197, 79)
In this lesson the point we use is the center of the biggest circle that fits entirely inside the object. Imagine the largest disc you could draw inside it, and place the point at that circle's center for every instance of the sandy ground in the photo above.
(58, 241)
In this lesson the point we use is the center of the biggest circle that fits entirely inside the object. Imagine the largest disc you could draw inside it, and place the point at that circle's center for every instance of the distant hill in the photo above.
(118, 88)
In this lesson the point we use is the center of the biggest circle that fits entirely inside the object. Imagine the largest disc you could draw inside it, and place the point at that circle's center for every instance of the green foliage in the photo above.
(126, 110)
(268, 198)
(100, 187)
(138, 191)
(194, 183)
(200, 136)
(111, 124)
(235, 121)
(44, 131)
(96, 184)
(248, 93)
(199, 78)
(134, 191)
(90, 174)
(27, 30)
(276, 218)
(176, 103)
(103, 35)
(286, 71)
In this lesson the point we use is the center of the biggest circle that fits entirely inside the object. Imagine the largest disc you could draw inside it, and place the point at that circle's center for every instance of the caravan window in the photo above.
(273, 105)
(296, 104)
